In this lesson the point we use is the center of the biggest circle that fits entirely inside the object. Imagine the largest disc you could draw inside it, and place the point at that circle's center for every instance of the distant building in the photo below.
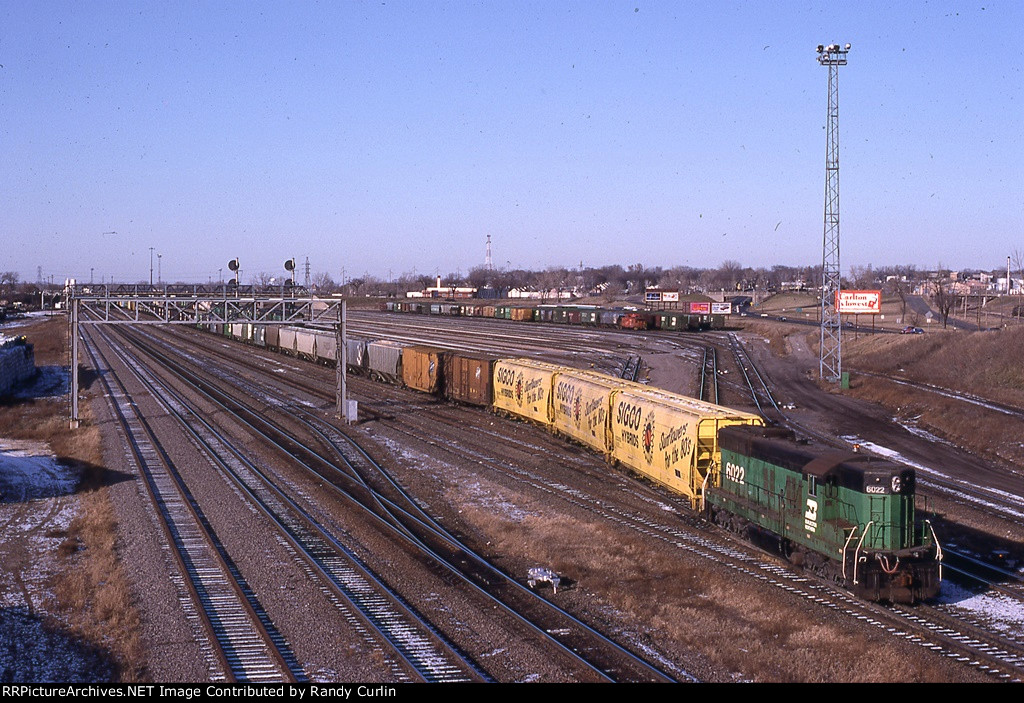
(439, 291)
(527, 293)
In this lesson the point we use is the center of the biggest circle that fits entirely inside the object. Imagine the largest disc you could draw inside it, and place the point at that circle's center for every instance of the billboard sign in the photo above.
(721, 308)
(859, 302)
(654, 296)
(700, 308)
(670, 296)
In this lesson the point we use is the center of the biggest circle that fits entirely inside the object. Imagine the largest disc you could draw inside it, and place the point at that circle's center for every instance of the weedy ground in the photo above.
(93, 596)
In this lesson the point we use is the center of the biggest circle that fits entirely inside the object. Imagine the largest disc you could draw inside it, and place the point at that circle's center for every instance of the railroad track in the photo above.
(243, 642)
(584, 645)
(998, 668)
(755, 381)
(709, 376)
(375, 610)
(1003, 408)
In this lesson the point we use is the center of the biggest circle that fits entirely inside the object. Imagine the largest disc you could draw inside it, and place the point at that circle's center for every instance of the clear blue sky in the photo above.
(387, 136)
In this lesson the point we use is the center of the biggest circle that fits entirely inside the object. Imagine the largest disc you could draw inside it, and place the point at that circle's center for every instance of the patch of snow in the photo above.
(36, 514)
(1001, 612)
(922, 433)
(50, 382)
(28, 471)
(494, 503)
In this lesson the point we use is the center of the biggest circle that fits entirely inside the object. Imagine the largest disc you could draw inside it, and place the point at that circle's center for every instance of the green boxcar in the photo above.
(671, 321)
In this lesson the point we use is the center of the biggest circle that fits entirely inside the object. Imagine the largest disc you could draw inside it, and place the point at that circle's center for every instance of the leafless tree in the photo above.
(729, 274)
(1018, 263)
(479, 276)
(943, 295)
(262, 279)
(863, 277)
(322, 282)
(612, 291)
(8, 282)
(900, 283)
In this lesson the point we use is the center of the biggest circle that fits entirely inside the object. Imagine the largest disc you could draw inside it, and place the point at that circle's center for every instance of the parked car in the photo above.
(910, 329)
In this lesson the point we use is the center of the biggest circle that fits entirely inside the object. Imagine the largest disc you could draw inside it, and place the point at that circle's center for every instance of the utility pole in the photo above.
(830, 363)
(151, 266)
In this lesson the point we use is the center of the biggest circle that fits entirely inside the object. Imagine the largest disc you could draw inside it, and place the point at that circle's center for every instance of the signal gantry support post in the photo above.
(75, 311)
(341, 338)
(831, 364)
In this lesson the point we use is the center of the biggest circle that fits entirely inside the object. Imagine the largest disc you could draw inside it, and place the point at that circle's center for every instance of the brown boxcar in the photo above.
(422, 368)
(273, 336)
(467, 378)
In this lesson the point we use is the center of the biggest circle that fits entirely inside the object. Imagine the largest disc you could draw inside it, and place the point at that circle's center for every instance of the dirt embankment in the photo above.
(983, 364)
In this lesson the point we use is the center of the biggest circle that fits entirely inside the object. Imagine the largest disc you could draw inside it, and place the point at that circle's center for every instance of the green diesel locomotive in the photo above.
(845, 516)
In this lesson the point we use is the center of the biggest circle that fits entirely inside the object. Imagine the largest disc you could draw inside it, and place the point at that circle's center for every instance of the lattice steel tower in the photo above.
(831, 362)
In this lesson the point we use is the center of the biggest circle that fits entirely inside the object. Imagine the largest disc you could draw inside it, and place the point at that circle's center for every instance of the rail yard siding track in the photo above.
(415, 641)
(248, 647)
(588, 648)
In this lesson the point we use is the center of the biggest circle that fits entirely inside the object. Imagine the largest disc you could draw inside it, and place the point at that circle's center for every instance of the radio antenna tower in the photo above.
(831, 360)
(487, 262)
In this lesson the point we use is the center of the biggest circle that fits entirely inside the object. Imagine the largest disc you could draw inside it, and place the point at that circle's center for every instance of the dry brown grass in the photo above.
(92, 589)
(776, 333)
(986, 364)
(691, 606)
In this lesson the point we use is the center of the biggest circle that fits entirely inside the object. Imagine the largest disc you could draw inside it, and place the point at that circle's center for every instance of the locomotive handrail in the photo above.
(847, 546)
(938, 546)
(712, 468)
(856, 554)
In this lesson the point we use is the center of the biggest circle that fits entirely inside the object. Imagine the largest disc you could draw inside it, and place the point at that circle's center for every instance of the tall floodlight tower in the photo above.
(831, 362)
(487, 263)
